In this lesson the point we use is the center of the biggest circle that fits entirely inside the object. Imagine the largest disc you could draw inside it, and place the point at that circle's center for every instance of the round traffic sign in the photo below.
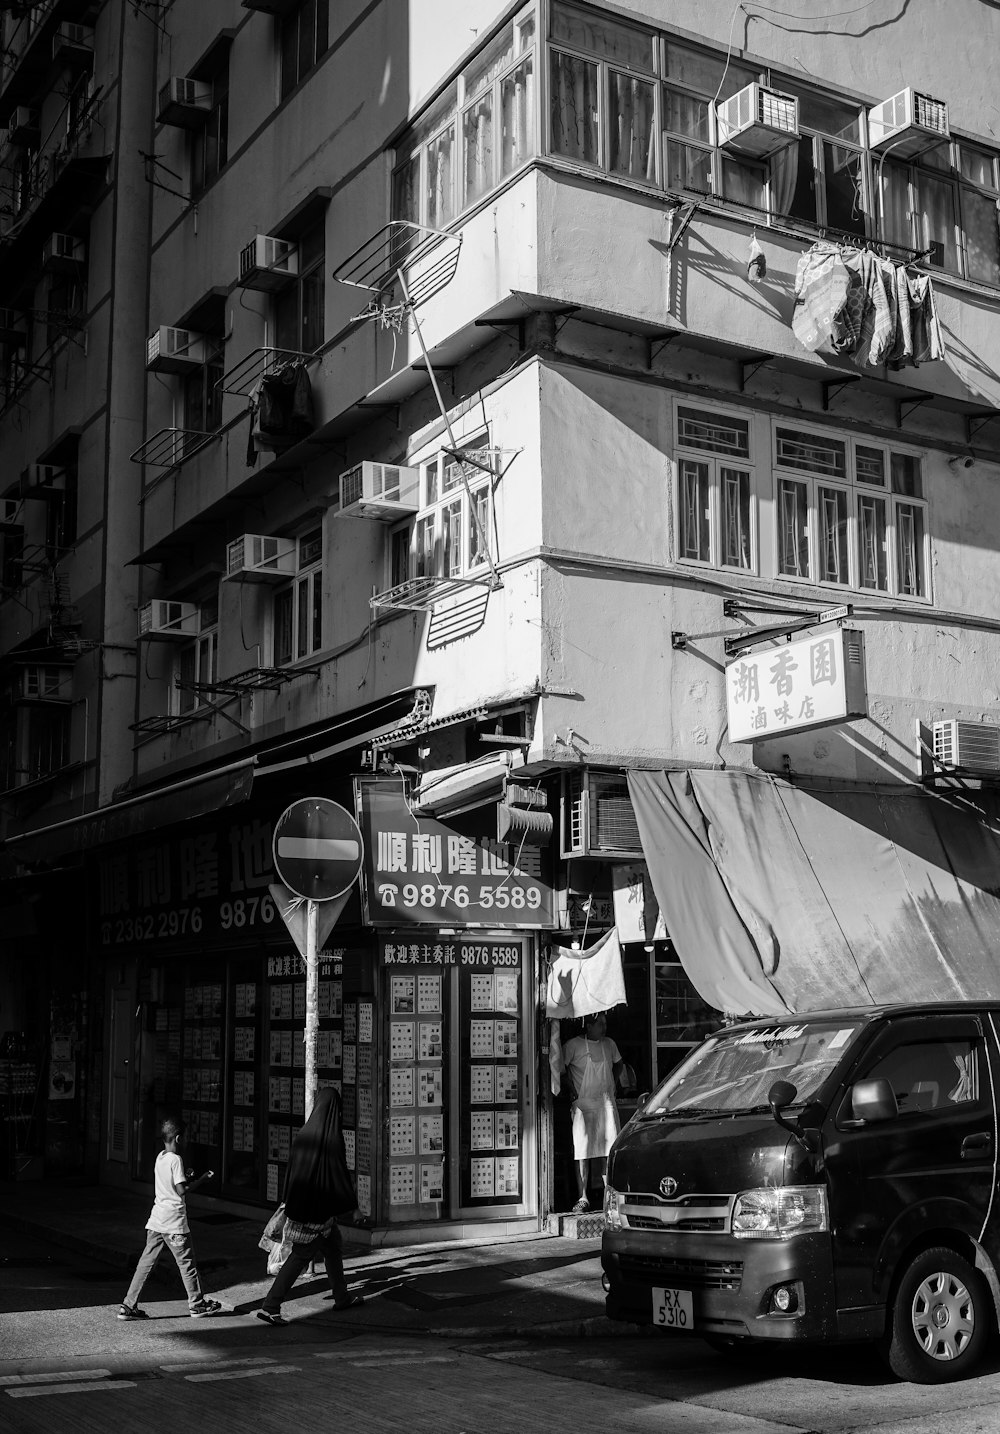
(317, 848)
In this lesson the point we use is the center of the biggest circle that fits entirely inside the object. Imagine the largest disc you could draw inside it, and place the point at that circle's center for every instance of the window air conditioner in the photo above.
(385, 491)
(907, 124)
(174, 351)
(758, 121)
(972, 746)
(597, 817)
(11, 515)
(165, 619)
(255, 558)
(23, 127)
(184, 103)
(73, 44)
(62, 253)
(45, 683)
(267, 263)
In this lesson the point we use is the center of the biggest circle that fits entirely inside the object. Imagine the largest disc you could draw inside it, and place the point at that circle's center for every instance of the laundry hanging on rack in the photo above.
(281, 410)
(865, 307)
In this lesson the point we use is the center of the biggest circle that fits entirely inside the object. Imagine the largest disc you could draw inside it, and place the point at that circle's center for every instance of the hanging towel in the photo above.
(584, 982)
(821, 285)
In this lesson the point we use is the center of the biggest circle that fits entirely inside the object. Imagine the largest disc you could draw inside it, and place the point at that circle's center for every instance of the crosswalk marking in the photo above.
(60, 1377)
(201, 1365)
(26, 1391)
(243, 1373)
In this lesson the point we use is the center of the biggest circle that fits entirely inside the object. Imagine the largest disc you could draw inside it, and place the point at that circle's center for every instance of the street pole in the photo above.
(312, 1003)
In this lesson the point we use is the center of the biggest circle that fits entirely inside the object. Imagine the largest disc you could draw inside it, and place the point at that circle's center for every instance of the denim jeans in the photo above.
(331, 1248)
(180, 1247)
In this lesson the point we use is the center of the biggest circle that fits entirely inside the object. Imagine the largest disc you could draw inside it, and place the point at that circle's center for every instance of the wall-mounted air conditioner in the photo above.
(11, 515)
(972, 746)
(171, 350)
(44, 682)
(267, 263)
(596, 817)
(23, 128)
(386, 491)
(907, 124)
(73, 44)
(758, 121)
(163, 619)
(256, 558)
(62, 253)
(184, 103)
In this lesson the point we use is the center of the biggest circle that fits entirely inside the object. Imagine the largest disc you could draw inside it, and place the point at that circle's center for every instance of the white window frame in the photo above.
(716, 464)
(305, 593)
(855, 491)
(437, 503)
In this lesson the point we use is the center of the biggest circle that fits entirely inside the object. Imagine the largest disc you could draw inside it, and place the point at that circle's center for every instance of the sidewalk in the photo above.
(535, 1286)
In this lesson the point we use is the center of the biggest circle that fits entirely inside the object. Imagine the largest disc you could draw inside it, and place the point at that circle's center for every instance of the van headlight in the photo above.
(612, 1209)
(777, 1213)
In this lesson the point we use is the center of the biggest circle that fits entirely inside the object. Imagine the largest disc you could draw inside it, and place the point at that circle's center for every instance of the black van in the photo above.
(819, 1178)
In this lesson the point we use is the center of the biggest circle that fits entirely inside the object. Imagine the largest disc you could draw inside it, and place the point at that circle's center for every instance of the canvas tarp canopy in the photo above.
(783, 897)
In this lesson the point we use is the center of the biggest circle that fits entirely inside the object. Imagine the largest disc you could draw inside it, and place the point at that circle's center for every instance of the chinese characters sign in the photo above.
(417, 871)
(805, 683)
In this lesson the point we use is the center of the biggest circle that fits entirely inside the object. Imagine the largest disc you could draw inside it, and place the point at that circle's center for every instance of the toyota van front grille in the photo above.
(687, 1274)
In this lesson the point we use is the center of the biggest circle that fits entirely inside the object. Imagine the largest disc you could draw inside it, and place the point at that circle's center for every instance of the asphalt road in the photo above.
(66, 1364)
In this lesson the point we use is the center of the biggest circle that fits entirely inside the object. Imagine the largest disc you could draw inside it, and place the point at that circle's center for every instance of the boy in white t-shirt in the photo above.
(168, 1226)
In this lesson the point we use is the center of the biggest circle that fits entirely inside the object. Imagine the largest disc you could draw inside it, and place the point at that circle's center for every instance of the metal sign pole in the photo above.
(312, 1003)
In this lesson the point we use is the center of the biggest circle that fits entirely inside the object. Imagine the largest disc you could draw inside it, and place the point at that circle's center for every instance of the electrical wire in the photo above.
(729, 52)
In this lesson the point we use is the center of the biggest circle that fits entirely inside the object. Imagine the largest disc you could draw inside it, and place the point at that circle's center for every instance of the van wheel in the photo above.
(940, 1319)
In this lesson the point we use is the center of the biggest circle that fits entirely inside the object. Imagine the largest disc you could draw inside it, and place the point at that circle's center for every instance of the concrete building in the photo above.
(504, 400)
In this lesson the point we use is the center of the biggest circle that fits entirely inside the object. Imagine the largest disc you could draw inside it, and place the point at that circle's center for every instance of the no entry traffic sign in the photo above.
(317, 848)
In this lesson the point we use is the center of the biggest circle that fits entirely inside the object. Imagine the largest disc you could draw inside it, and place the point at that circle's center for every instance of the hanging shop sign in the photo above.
(809, 682)
(418, 871)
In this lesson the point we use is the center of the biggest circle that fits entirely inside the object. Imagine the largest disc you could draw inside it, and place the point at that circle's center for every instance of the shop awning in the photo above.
(451, 790)
(120, 821)
(782, 897)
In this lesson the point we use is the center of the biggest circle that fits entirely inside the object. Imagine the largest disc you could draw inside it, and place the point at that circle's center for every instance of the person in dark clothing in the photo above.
(318, 1188)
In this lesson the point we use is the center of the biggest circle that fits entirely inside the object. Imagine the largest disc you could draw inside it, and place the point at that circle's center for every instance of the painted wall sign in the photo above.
(809, 682)
(419, 872)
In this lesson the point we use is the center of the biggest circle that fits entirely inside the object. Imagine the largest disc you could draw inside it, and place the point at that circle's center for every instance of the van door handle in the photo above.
(978, 1144)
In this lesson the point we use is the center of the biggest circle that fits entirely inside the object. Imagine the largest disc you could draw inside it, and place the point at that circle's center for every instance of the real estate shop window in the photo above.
(305, 38)
(716, 505)
(298, 608)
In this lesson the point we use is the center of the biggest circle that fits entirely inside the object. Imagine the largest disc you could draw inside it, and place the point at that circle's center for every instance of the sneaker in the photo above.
(132, 1312)
(270, 1318)
(581, 1207)
(204, 1307)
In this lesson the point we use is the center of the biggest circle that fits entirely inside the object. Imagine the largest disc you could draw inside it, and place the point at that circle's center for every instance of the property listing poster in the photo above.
(413, 1011)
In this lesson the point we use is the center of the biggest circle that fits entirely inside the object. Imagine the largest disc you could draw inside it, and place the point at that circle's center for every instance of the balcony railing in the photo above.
(170, 447)
(246, 375)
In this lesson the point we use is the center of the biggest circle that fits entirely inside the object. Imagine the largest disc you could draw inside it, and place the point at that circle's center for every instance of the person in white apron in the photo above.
(592, 1063)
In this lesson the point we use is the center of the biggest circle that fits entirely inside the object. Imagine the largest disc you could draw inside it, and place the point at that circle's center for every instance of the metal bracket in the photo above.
(421, 367)
(654, 347)
(834, 385)
(904, 409)
(976, 422)
(748, 367)
(678, 641)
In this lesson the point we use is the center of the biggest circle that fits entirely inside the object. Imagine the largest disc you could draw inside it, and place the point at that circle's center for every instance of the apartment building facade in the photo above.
(523, 416)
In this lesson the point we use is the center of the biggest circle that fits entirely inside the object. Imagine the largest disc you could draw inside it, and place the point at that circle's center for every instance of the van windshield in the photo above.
(728, 1074)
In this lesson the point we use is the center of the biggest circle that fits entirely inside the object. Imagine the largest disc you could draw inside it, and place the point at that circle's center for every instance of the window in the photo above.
(297, 614)
(821, 179)
(210, 143)
(59, 490)
(945, 204)
(67, 303)
(850, 513)
(451, 536)
(202, 396)
(717, 516)
(299, 323)
(930, 1075)
(34, 743)
(196, 663)
(305, 37)
(479, 131)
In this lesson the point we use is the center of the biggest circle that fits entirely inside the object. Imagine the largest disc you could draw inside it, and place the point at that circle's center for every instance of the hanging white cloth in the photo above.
(584, 982)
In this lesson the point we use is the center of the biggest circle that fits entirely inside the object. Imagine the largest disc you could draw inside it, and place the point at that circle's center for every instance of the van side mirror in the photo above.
(873, 1100)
